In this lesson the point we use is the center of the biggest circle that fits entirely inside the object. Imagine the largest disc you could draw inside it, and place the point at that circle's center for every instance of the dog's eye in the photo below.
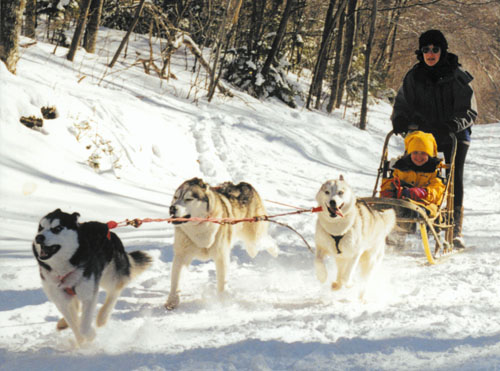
(189, 199)
(340, 193)
(327, 192)
(57, 229)
(40, 228)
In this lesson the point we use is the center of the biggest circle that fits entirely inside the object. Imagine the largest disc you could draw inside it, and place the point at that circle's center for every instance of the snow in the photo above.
(150, 136)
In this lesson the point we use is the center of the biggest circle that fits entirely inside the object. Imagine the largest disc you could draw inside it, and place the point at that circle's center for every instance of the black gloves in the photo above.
(452, 126)
(399, 127)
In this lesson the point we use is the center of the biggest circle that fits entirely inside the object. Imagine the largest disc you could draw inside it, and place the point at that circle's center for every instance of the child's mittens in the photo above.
(415, 193)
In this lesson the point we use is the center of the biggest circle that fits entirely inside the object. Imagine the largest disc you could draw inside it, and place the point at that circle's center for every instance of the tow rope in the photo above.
(267, 218)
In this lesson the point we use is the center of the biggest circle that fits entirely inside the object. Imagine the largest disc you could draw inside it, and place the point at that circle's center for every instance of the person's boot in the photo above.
(458, 240)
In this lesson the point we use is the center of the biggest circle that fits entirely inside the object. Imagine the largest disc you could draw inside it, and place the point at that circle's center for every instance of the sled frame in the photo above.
(442, 221)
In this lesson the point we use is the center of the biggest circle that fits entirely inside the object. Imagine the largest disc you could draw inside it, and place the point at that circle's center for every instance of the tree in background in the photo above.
(347, 49)
(368, 50)
(90, 37)
(336, 64)
(10, 28)
(332, 20)
(138, 12)
(80, 26)
(224, 37)
(30, 19)
(273, 46)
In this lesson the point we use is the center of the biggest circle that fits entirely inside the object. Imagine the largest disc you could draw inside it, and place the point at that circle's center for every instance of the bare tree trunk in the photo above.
(392, 45)
(321, 62)
(256, 23)
(385, 48)
(314, 88)
(232, 13)
(278, 38)
(77, 36)
(336, 64)
(10, 27)
(90, 37)
(348, 46)
(366, 83)
(127, 35)
(30, 19)
(220, 42)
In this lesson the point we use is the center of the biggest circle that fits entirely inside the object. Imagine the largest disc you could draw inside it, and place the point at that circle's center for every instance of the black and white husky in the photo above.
(75, 259)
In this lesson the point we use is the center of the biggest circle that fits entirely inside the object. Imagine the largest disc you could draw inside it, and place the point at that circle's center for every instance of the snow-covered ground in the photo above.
(149, 136)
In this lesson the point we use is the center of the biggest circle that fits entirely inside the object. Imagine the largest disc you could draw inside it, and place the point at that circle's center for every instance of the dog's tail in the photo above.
(389, 217)
(139, 262)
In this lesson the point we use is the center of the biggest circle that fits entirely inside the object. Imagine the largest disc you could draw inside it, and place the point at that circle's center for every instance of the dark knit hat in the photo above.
(434, 37)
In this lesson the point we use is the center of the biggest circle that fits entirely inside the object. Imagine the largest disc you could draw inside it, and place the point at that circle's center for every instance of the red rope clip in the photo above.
(135, 222)
(111, 225)
(397, 184)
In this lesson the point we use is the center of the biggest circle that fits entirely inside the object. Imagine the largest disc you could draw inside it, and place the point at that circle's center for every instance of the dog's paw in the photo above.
(252, 250)
(336, 286)
(321, 272)
(172, 302)
(362, 297)
(273, 251)
(62, 324)
(88, 335)
(101, 319)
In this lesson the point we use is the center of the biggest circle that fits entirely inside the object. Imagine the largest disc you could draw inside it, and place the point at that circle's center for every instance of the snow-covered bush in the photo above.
(247, 75)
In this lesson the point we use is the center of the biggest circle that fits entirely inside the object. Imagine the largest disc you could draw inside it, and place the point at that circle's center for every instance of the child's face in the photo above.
(419, 158)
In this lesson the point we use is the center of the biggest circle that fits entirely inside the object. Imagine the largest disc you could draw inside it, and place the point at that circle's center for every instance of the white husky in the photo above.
(351, 232)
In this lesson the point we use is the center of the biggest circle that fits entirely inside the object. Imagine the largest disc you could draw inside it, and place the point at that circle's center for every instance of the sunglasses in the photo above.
(428, 49)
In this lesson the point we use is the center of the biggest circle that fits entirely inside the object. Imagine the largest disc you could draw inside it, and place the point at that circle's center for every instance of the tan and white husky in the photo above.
(207, 240)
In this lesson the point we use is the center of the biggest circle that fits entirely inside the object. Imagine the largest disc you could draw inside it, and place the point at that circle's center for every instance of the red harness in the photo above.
(68, 290)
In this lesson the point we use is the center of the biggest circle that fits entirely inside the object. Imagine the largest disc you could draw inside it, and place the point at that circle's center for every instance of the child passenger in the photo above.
(415, 174)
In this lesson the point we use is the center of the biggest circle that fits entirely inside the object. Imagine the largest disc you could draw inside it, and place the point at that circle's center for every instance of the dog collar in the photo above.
(68, 290)
(63, 278)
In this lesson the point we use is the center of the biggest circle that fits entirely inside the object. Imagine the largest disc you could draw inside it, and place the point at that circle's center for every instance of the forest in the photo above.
(347, 50)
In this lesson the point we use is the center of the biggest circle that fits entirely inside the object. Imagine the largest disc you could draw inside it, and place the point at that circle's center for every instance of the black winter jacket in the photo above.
(439, 100)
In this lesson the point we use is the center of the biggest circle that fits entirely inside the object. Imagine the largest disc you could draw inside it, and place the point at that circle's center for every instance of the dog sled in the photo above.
(412, 215)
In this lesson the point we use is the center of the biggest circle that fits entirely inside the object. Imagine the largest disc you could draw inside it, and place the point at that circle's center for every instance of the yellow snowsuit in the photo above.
(406, 174)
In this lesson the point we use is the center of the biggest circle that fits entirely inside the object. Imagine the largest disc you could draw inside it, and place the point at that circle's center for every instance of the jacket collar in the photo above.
(405, 164)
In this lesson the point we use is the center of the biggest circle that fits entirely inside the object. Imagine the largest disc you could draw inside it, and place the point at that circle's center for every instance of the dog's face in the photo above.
(191, 199)
(335, 197)
(57, 236)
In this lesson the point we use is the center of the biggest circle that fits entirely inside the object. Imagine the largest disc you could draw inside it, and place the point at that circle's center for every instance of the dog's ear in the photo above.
(341, 177)
(201, 183)
(197, 182)
(75, 216)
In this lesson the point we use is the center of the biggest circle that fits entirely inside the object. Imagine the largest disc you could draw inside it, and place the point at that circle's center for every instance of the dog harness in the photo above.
(337, 240)
(68, 290)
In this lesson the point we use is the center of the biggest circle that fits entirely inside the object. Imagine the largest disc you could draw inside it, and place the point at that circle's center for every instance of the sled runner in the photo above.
(412, 214)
